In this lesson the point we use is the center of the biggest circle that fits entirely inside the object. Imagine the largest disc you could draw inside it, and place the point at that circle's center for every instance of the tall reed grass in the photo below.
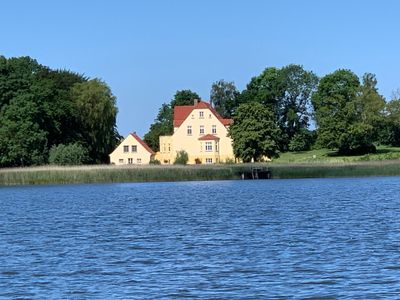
(110, 174)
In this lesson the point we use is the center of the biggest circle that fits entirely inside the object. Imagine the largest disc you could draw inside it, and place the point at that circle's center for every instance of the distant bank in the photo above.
(113, 174)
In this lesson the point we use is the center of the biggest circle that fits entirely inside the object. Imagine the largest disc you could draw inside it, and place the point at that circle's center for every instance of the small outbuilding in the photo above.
(132, 150)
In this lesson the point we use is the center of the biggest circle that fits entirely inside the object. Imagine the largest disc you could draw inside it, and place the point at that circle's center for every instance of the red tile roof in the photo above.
(183, 111)
(142, 143)
(208, 137)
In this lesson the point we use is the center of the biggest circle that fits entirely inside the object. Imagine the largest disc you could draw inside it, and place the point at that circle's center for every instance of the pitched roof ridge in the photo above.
(181, 112)
(143, 143)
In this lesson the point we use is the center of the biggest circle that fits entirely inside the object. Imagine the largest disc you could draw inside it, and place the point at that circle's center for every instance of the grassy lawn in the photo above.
(329, 156)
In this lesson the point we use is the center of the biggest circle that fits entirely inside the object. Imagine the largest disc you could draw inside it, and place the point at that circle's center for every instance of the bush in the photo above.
(154, 161)
(71, 154)
(181, 158)
(302, 141)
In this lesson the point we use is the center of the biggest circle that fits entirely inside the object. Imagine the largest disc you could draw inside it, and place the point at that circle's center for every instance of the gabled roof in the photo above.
(183, 111)
(208, 137)
(140, 141)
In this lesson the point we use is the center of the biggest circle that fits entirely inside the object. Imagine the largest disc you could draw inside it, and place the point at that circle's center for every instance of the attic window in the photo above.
(126, 149)
(134, 148)
(209, 116)
(201, 114)
(192, 116)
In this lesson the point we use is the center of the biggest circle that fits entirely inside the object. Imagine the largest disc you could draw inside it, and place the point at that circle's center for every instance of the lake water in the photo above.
(272, 239)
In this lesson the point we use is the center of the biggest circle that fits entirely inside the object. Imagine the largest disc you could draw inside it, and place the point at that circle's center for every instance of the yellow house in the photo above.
(201, 132)
(132, 150)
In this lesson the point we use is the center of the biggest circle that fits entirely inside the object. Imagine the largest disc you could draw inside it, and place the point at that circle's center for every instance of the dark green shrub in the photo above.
(302, 141)
(71, 154)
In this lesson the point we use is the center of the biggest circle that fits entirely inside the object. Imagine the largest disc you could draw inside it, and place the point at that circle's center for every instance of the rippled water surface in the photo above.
(276, 239)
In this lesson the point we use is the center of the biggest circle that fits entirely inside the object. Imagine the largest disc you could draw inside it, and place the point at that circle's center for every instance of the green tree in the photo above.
(389, 129)
(287, 93)
(163, 123)
(97, 115)
(346, 112)
(223, 97)
(294, 112)
(16, 77)
(267, 89)
(254, 132)
(22, 141)
(71, 154)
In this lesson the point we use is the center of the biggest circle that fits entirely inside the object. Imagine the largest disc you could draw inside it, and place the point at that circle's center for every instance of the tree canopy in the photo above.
(254, 132)
(223, 97)
(41, 108)
(287, 93)
(347, 111)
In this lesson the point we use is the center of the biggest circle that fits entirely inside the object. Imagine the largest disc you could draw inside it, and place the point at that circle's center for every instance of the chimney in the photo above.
(196, 101)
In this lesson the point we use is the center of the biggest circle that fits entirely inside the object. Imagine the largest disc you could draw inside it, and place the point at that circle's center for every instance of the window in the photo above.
(209, 161)
(201, 129)
(130, 161)
(208, 146)
(126, 149)
(134, 148)
(169, 147)
(201, 114)
(192, 116)
(214, 129)
(189, 130)
(121, 161)
(139, 160)
(209, 116)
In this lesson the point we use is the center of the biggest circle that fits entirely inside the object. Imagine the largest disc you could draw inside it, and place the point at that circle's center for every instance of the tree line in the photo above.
(53, 115)
(274, 113)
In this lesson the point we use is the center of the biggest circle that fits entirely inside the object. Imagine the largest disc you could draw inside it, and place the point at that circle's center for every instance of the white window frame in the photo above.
(201, 114)
(130, 161)
(126, 148)
(134, 148)
(139, 160)
(209, 160)
(189, 130)
(214, 129)
(208, 146)
(201, 129)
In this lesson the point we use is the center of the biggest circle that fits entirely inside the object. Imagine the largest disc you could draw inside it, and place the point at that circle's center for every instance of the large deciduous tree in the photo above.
(254, 132)
(223, 97)
(287, 93)
(97, 115)
(294, 112)
(346, 112)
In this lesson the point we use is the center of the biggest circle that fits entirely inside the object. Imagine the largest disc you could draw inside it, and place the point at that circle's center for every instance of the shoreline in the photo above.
(43, 175)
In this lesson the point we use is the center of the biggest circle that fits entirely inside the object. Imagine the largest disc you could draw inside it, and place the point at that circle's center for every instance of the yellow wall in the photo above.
(196, 149)
(119, 157)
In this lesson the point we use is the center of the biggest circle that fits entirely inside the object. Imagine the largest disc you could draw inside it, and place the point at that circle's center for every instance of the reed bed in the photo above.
(112, 174)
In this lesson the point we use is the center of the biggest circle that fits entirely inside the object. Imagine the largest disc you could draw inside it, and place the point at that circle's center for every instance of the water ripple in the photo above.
(283, 239)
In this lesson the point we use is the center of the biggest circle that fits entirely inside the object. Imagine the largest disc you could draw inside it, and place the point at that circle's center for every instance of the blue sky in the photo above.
(147, 50)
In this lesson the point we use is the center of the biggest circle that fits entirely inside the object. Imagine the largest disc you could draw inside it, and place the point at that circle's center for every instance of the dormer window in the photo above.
(201, 114)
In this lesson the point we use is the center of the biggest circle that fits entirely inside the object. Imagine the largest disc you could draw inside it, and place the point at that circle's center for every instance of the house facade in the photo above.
(132, 151)
(201, 132)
